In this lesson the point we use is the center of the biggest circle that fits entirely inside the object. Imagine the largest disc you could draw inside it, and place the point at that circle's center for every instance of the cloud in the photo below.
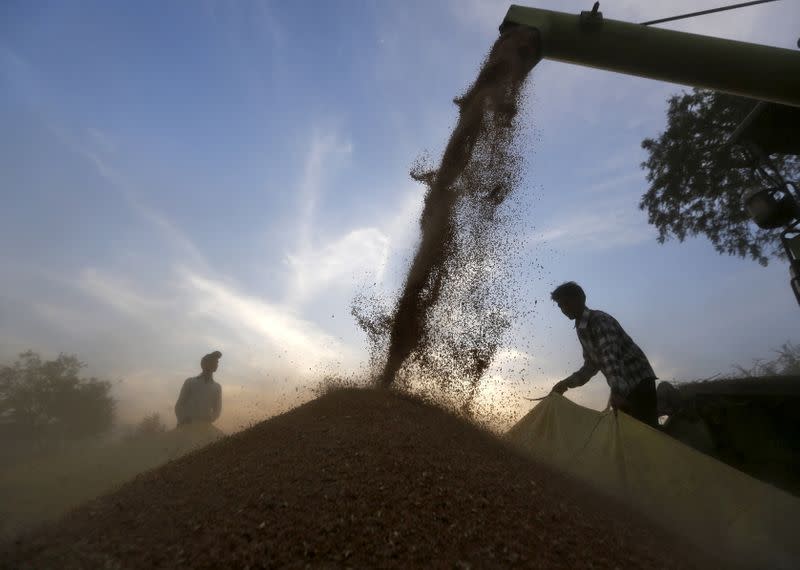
(360, 252)
(94, 149)
(358, 255)
(94, 145)
(319, 262)
(324, 155)
(102, 140)
(193, 308)
(612, 185)
(741, 24)
(324, 151)
(596, 231)
(260, 321)
(118, 294)
(22, 79)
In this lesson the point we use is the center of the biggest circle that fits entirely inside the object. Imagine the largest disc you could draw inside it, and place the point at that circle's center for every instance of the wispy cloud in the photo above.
(273, 325)
(360, 252)
(96, 147)
(104, 168)
(324, 151)
(321, 262)
(102, 140)
(192, 308)
(359, 255)
(118, 294)
(612, 185)
(598, 230)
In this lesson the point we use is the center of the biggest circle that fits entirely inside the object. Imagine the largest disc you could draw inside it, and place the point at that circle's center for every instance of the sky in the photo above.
(180, 177)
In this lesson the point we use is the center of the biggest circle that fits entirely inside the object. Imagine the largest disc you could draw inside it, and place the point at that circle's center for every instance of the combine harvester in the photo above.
(691, 493)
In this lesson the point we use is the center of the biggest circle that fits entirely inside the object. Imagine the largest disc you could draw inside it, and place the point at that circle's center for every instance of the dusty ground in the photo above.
(357, 478)
(47, 487)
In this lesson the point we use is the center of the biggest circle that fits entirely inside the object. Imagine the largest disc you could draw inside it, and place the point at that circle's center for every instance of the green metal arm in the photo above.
(749, 70)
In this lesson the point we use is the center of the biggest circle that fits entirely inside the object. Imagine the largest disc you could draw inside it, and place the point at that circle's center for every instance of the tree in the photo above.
(150, 425)
(785, 363)
(47, 401)
(697, 178)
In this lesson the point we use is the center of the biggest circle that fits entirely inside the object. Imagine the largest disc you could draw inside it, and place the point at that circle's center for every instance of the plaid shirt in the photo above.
(607, 348)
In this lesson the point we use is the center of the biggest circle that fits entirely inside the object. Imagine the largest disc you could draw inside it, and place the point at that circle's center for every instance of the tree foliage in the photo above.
(697, 178)
(47, 400)
(150, 425)
(786, 362)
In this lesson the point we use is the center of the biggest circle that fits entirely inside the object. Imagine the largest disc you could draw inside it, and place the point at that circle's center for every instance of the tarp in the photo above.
(724, 510)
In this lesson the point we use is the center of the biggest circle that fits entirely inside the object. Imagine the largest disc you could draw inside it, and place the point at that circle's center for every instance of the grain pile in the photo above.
(450, 316)
(356, 478)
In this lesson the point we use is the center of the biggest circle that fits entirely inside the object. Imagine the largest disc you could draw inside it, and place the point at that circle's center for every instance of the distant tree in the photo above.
(46, 401)
(786, 362)
(150, 425)
(697, 179)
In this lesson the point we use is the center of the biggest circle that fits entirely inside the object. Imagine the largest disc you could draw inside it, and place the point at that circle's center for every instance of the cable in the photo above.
(704, 12)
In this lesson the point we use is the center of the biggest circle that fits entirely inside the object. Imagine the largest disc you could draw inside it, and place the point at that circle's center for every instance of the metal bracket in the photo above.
(791, 242)
(790, 239)
(592, 21)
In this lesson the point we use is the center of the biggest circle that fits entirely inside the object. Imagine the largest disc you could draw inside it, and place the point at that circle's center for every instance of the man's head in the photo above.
(570, 299)
(210, 362)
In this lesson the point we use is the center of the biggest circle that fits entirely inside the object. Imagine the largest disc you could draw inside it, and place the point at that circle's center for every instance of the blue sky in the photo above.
(185, 176)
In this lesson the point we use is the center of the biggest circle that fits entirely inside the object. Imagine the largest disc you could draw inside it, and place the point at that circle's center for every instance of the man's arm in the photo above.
(579, 378)
(180, 413)
(216, 408)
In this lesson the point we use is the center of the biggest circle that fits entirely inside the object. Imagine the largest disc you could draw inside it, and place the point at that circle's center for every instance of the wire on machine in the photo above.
(704, 12)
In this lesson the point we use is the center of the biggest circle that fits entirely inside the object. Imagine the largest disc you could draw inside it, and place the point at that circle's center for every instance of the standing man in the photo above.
(607, 348)
(201, 397)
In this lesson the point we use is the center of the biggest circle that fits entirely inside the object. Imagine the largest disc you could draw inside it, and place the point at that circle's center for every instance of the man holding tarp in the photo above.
(607, 348)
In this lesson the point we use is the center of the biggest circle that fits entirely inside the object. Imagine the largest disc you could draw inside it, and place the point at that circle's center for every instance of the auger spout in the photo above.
(740, 68)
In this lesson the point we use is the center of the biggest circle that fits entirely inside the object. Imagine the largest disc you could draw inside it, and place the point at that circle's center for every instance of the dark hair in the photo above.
(568, 290)
(216, 355)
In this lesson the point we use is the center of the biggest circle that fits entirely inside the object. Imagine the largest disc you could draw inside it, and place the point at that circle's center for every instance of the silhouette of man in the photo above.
(607, 348)
(200, 399)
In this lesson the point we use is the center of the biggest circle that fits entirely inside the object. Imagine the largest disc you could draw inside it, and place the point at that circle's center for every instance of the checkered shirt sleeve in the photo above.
(585, 373)
(616, 355)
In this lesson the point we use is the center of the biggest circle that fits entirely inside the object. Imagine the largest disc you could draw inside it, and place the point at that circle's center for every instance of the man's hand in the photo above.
(561, 387)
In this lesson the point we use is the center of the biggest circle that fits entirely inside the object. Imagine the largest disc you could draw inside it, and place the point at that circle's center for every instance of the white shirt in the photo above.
(200, 400)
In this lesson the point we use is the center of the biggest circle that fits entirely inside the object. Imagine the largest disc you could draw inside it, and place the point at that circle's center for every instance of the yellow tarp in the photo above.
(722, 508)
